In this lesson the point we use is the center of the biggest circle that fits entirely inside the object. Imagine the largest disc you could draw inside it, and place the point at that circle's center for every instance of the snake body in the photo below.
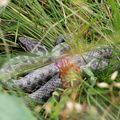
(44, 92)
(39, 57)
(40, 83)
(40, 76)
(17, 65)
(37, 78)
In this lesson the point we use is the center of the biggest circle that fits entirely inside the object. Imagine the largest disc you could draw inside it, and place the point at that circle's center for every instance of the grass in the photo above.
(90, 23)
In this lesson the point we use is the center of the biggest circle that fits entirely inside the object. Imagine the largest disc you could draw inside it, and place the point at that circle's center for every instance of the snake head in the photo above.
(32, 46)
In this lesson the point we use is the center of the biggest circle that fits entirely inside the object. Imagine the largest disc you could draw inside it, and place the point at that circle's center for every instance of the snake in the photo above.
(43, 81)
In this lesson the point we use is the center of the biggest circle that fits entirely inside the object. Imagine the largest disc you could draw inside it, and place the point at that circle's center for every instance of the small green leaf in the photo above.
(92, 91)
(88, 71)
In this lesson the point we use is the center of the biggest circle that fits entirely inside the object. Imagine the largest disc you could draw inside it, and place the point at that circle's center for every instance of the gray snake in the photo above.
(40, 83)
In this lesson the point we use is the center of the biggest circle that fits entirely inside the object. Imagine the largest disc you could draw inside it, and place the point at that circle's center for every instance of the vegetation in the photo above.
(90, 23)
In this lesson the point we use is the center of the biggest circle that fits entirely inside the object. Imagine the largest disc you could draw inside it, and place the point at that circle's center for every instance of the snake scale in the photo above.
(40, 83)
